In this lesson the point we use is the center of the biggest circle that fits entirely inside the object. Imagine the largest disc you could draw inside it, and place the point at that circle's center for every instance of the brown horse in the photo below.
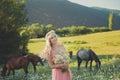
(20, 61)
(15, 62)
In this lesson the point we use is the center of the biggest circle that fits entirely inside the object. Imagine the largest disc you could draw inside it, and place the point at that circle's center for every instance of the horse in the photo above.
(34, 59)
(20, 61)
(16, 62)
(87, 55)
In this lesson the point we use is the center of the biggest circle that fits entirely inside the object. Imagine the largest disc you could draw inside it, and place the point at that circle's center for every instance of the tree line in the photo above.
(37, 30)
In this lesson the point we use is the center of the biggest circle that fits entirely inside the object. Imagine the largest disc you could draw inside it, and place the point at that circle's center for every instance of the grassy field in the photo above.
(101, 43)
(105, 44)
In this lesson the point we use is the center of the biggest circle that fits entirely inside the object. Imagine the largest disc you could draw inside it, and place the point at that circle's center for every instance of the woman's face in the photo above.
(53, 40)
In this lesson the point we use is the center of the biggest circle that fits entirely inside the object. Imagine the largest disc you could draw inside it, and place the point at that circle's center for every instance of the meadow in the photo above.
(105, 44)
(102, 43)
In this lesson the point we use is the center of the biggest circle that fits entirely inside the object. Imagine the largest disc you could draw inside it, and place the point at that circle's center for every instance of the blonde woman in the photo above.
(60, 69)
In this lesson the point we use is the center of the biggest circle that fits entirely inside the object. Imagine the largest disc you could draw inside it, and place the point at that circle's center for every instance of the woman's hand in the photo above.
(66, 66)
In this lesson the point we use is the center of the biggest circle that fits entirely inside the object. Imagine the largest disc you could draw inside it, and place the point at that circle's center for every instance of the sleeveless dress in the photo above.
(57, 74)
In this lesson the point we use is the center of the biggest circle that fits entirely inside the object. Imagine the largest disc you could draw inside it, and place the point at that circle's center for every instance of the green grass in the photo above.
(109, 71)
(101, 43)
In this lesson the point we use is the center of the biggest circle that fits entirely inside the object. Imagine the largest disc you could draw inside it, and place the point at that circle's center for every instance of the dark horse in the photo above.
(87, 55)
(34, 59)
(20, 61)
(15, 62)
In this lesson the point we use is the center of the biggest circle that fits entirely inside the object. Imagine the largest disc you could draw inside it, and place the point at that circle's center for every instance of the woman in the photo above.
(51, 49)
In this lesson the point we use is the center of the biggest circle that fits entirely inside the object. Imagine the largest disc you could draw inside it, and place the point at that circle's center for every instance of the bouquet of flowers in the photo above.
(62, 57)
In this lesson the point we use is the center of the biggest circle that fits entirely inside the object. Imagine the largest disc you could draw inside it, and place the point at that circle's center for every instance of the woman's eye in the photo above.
(52, 37)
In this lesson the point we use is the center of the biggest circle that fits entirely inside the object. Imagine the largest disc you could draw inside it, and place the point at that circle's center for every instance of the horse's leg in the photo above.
(8, 72)
(86, 63)
(26, 70)
(34, 66)
(13, 71)
(91, 65)
(4, 71)
(79, 62)
(25, 67)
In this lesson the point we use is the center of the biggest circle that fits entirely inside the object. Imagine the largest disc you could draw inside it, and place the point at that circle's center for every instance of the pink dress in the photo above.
(57, 74)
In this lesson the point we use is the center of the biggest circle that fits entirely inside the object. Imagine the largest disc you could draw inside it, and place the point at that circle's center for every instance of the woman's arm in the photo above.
(57, 66)
(52, 65)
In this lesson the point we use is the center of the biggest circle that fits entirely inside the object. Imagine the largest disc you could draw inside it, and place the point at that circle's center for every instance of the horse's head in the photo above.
(38, 59)
(35, 59)
(98, 64)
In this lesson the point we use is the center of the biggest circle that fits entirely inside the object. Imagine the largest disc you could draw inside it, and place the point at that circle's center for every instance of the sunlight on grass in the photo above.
(101, 43)
(36, 45)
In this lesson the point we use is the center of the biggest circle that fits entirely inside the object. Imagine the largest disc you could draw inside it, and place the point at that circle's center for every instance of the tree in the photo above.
(111, 20)
(12, 17)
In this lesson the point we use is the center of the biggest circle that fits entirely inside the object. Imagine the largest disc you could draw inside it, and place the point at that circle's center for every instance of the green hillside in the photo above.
(62, 13)
(101, 43)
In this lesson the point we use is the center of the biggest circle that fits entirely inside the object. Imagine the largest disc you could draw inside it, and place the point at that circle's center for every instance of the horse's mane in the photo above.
(93, 55)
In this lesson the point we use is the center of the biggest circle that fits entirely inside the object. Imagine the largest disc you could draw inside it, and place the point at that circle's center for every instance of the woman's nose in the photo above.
(55, 39)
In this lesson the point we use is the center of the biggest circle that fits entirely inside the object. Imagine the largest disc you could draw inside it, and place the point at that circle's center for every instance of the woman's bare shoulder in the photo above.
(60, 45)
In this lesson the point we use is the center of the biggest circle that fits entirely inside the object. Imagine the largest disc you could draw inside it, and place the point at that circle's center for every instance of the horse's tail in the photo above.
(4, 70)
(77, 53)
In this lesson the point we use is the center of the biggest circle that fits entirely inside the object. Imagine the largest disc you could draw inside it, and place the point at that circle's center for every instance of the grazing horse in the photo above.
(15, 62)
(34, 59)
(20, 61)
(87, 55)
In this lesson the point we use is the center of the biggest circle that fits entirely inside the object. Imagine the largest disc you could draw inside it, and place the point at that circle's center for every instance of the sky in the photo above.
(110, 4)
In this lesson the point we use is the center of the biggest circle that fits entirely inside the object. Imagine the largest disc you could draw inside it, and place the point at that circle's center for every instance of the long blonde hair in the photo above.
(46, 52)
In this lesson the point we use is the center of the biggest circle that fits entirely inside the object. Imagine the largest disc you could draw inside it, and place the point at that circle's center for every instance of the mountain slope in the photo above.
(62, 13)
